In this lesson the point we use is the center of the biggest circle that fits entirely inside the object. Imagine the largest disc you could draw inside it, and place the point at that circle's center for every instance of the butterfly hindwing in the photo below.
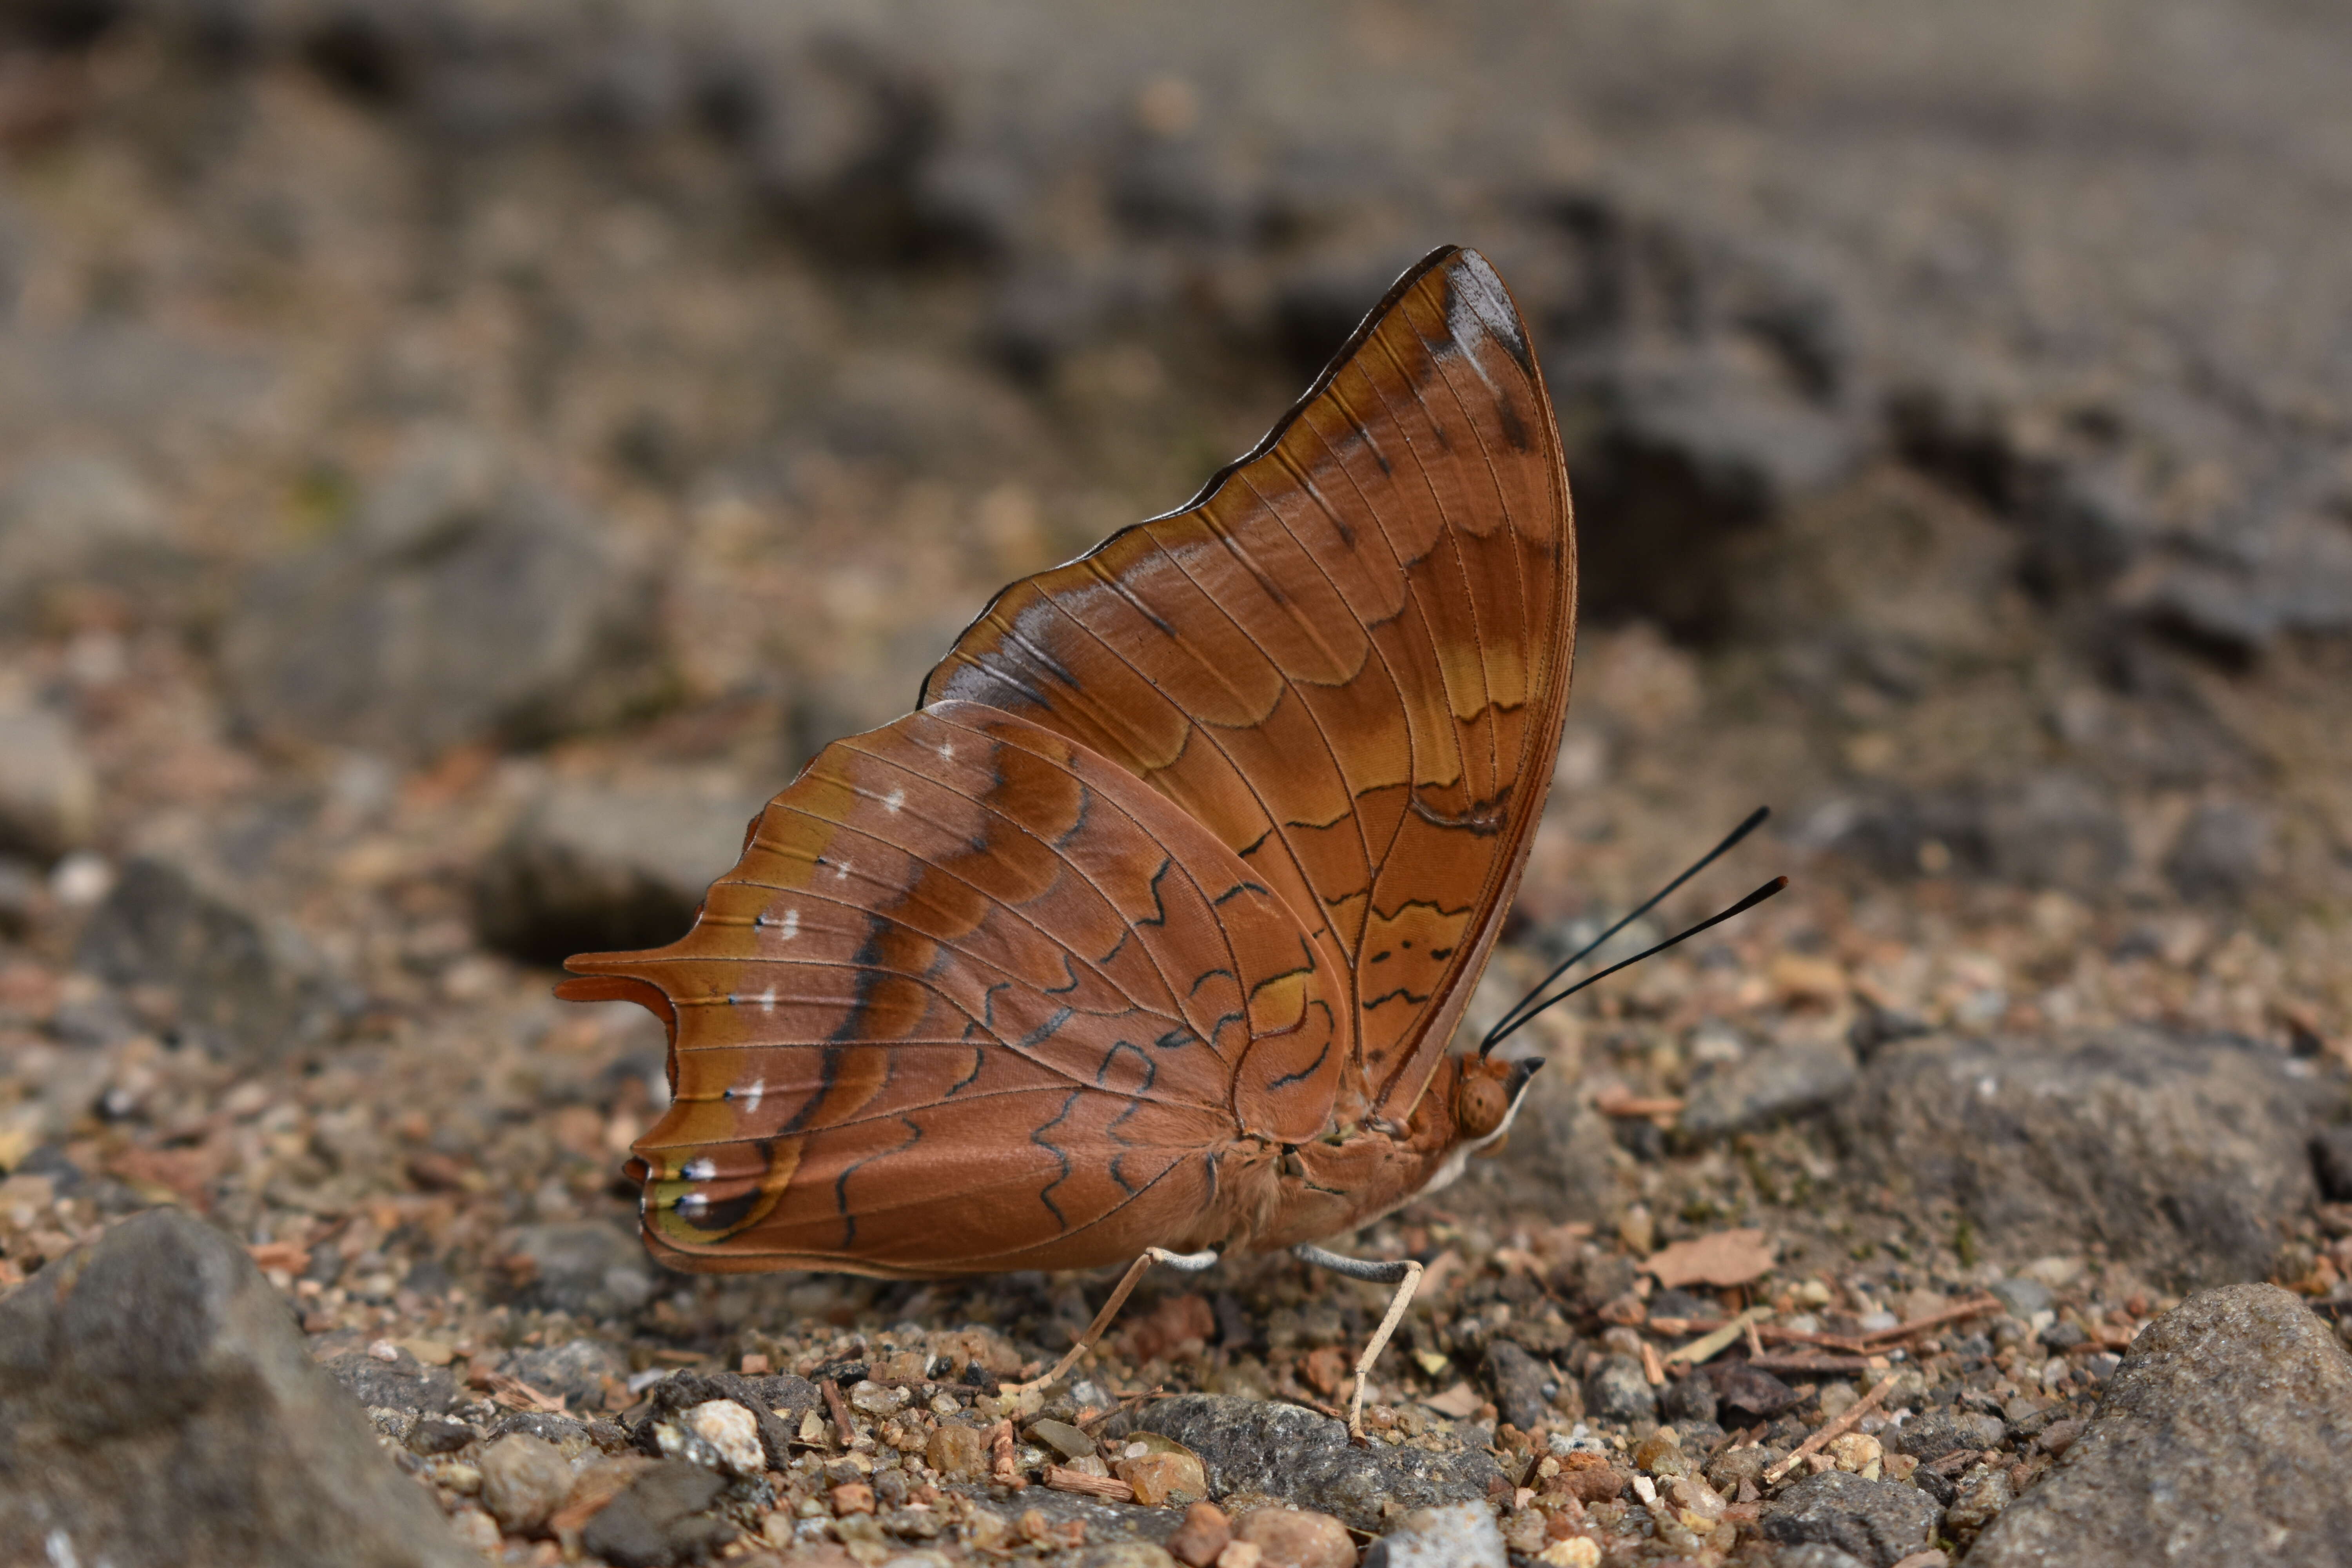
(972, 999)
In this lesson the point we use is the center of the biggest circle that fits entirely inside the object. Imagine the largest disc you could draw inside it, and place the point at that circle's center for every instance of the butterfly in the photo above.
(1144, 936)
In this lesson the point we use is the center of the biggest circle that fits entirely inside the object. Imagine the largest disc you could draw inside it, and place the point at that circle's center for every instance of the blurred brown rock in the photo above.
(463, 601)
(599, 867)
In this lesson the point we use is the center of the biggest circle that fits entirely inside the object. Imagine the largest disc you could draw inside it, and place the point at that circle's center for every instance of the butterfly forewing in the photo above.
(974, 998)
(1347, 658)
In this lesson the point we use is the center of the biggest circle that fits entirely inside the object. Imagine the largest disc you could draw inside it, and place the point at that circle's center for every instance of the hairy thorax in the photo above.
(1271, 1196)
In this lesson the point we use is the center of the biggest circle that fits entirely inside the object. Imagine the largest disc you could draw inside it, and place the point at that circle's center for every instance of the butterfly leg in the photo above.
(1189, 1262)
(1404, 1275)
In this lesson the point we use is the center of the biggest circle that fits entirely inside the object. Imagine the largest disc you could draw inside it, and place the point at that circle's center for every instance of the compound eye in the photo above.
(1480, 1103)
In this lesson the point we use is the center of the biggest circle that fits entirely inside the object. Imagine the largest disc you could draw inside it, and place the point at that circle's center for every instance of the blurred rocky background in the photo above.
(459, 457)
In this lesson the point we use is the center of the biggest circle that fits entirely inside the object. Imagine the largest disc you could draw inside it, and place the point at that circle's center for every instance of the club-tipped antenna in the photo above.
(1525, 1008)
(1527, 1012)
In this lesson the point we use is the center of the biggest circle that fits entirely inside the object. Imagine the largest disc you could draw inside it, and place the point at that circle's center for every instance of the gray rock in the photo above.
(157, 1405)
(524, 1479)
(561, 1431)
(1285, 1452)
(1462, 1536)
(660, 1519)
(1791, 1079)
(249, 992)
(2024, 1298)
(604, 867)
(2221, 853)
(1935, 1433)
(78, 521)
(1688, 1401)
(1683, 444)
(439, 1435)
(112, 373)
(1744, 1391)
(1877, 1521)
(1117, 1554)
(2051, 828)
(794, 1396)
(2222, 1437)
(20, 895)
(48, 791)
(1951, 309)
(1111, 1523)
(1617, 1391)
(574, 1371)
(2331, 1160)
(2181, 1154)
(762, 1397)
(465, 603)
(403, 1384)
(1980, 1495)
(1560, 1153)
(1523, 1385)
(585, 1268)
(2055, 829)
(1745, 1462)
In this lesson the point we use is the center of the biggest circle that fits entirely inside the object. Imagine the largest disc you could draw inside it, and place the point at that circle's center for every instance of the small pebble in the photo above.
(959, 1453)
(872, 1398)
(1855, 1452)
(476, 1529)
(717, 1435)
(1295, 1538)
(1462, 1536)
(1204, 1534)
(524, 1479)
(1158, 1479)
(1063, 1438)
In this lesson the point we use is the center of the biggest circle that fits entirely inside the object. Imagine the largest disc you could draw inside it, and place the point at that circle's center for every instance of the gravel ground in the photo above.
(456, 460)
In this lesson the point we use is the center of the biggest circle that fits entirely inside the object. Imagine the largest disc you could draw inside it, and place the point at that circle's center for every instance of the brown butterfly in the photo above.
(1144, 937)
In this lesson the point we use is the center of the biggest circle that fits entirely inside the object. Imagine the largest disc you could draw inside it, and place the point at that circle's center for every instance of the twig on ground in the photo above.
(1975, 1308)
(1097, 1419)
(1708, 1346)
(1624, 1105)
(839, 1409)
(1103, 1486)
(1002, 1470)
(1833, 1430)
(1829, 1364)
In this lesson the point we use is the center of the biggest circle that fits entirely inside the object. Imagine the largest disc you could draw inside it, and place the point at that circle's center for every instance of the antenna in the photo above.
(1527, 1012)
(1527, 1007)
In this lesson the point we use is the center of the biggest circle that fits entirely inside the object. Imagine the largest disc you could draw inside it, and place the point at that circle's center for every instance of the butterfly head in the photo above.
(1486, 1095)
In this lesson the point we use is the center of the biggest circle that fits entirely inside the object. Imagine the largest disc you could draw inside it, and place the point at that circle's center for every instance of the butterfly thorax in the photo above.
(1275, 1196)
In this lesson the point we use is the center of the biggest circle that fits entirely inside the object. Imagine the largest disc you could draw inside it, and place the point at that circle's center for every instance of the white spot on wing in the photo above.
(843, 872)
(893, 800)
(768, 1000)
(753, 1095)
(701, 1169)
(693, 1203)
(791, 927)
